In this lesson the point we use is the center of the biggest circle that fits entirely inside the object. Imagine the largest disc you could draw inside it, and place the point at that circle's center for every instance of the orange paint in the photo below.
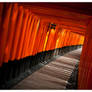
(85, 66)
(50, 39)
(28, 33)
(33, 36)
(4, 31)
(39, 37)
(42, 41)
(23, 32)
(17, 33)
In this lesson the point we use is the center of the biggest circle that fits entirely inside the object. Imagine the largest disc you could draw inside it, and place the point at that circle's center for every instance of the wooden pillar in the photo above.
(16, 33)
(11, 30)
(23, 34)
(4, 29)
(85, 66)
(38, 38)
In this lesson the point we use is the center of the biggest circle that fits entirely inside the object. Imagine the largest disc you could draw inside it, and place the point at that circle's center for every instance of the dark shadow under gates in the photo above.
(20, 69)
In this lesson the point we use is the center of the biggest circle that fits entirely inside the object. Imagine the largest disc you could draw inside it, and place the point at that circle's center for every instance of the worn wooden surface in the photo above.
(54, 75)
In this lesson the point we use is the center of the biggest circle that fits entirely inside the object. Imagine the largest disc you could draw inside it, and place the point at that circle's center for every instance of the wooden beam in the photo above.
(68, 20)
(80, 33)
(58, 12)
(74, 30)
(62, 21)
(83, 8)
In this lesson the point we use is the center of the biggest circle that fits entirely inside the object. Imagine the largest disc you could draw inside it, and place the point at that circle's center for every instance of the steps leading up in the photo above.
(54, 75)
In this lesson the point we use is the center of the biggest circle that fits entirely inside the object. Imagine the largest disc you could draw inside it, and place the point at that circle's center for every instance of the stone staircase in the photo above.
(54, 75)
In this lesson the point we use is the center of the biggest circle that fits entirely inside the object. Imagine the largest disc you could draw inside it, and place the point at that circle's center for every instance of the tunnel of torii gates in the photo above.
(29, 29)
